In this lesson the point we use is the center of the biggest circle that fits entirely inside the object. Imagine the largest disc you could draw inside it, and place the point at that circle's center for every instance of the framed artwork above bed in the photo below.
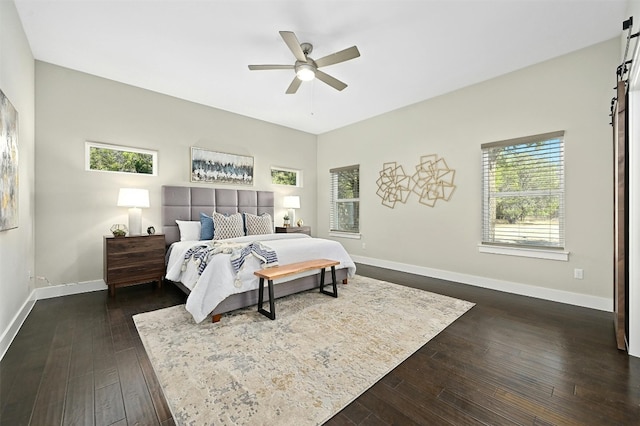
(219, 167)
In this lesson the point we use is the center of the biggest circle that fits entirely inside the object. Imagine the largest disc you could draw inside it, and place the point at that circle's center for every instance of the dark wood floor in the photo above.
(509, 360)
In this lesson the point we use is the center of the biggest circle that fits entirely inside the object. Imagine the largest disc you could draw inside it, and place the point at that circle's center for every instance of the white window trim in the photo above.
(287, 169)
(521, 249)
(352, 235)
(535, 253)
(87, 157)
(335, 232)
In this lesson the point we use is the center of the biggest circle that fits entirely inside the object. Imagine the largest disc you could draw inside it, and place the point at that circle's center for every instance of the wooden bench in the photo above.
(282, 271)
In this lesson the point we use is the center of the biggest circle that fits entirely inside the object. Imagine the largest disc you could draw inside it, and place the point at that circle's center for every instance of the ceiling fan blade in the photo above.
(270, 67)
(331, 81)
(294, 45)
(293, 87)
(341, 56)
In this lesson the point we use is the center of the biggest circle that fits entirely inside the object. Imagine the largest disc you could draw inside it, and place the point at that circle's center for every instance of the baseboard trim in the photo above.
(69, 289)
(40, 294)
(569, 298)
(584, 300)
(12, 330)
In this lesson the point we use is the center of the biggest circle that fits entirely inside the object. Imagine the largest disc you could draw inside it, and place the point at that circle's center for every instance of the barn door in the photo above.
(621, 217)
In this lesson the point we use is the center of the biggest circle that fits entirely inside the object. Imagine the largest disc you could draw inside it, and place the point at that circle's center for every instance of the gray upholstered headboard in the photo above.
(186, 203)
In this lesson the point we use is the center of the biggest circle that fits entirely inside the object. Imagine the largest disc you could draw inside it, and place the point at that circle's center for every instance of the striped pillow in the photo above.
(227, 226)
(258, 225)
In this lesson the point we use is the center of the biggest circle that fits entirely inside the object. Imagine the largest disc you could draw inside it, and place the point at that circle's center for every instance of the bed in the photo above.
(218, 288)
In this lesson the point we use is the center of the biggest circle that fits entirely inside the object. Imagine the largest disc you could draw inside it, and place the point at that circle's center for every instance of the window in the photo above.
(289, 177)
(114, 158)
(345, 200)
(523, 192)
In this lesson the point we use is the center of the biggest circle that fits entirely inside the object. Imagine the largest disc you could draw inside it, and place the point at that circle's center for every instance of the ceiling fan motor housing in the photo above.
(307, 48)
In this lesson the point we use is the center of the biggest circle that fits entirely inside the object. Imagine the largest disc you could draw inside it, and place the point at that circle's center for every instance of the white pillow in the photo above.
(227, 226)
(258, 225)
(189, 230)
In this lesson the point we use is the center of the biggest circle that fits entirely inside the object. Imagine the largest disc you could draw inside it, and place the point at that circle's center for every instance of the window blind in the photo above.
(344, 210)
(523, 191)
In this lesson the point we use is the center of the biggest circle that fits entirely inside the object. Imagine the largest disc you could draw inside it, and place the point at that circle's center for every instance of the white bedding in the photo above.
(218, 280)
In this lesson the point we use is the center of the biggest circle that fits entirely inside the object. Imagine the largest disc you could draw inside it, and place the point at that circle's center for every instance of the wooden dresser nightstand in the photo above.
(293, 230)
(133, 260)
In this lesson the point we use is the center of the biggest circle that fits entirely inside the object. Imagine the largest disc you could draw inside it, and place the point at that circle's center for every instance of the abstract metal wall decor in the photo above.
(432, 181)
(393, 185)
(8, 164)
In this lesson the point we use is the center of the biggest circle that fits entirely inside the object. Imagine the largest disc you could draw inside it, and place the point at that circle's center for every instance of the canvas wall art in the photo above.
(219, 167)
(8, 164)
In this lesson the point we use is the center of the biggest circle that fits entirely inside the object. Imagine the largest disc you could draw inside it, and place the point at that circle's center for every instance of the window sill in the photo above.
(525, 252)
(352, 235)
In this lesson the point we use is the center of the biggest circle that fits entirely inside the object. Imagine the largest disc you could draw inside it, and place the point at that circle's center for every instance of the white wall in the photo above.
(570, 93)
(77, 207)
(17, 245)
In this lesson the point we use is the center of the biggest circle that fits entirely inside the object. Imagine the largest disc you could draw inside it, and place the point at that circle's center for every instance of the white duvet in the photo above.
(218, 280)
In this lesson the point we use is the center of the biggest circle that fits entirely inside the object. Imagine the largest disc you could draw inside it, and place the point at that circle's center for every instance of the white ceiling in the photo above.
(410, 50)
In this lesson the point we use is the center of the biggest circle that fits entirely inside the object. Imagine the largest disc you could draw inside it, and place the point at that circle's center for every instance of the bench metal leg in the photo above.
(271, 314)
(335, 285)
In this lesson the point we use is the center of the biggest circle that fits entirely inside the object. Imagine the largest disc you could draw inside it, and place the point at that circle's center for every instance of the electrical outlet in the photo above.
(578, 274)
(364, 246)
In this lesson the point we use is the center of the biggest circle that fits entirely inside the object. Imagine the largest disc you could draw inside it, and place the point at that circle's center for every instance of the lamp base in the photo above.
(135, 221)
(292, 217)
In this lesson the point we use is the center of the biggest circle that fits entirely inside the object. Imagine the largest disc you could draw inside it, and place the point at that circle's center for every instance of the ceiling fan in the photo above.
(305, 67)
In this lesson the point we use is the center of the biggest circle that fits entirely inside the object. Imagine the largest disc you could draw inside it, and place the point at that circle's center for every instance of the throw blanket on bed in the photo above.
(263, 253)
(201, 254)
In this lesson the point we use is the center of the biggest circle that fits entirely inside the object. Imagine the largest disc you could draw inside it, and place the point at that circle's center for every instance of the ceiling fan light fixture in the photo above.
(307, 68)
(305, 72)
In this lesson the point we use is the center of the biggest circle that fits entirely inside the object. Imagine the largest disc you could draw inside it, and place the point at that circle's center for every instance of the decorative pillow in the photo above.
(189, 230)
(227, 226)
(257, 225)
(206, 227)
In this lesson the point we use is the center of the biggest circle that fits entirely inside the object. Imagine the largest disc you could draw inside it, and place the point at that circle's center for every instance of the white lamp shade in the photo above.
(133, 197)
(291, 202)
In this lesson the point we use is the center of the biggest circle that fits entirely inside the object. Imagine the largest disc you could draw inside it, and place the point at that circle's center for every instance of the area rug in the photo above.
(319, 354)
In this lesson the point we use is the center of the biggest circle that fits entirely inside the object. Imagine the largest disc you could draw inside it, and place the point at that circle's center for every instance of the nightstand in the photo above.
(293, 230)
(133, 260)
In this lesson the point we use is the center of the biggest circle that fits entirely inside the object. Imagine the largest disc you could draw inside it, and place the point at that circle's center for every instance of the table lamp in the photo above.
(292, 202)
(135, 199)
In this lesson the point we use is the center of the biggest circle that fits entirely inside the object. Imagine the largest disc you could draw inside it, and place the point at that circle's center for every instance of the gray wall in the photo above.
(570, 93)
(77, 207)
(17, 245)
